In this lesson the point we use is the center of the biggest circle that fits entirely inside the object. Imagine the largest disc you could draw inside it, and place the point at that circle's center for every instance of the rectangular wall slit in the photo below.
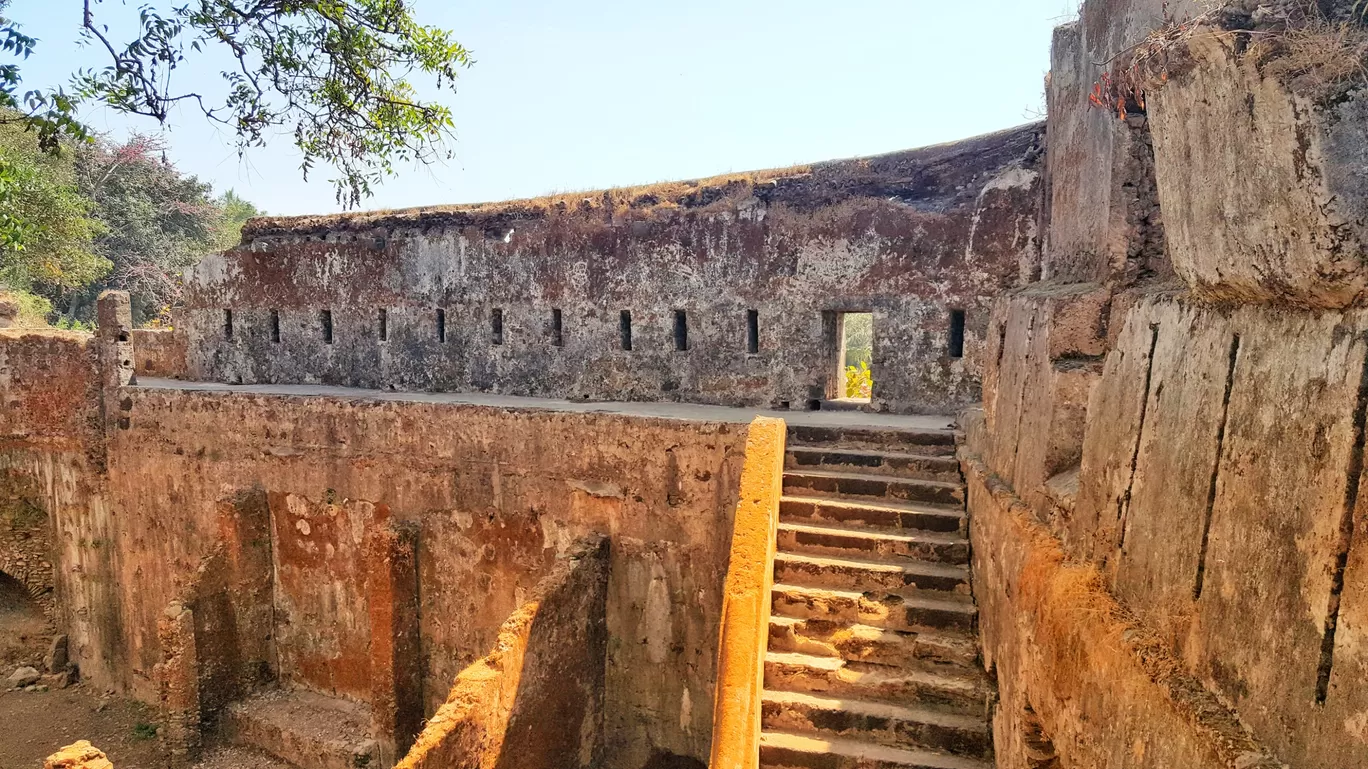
(1216, 470)
(384, 325)
(752, 331)
(228, 325)
(1345, 540)
(496, 326)
(625, 330)
(681, 331)
(275, 326)
(557, 337)
(325, 320)
(1123, 505)
(441, 326)
(956, 340)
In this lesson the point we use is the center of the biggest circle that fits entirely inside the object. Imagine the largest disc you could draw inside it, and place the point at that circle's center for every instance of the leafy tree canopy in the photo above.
(157, 223)
(47, 230)
(235, 212)
(337, 74)
(103, 215)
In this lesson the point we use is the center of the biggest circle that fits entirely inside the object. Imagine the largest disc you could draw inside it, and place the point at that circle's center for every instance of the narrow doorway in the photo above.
(855, 358)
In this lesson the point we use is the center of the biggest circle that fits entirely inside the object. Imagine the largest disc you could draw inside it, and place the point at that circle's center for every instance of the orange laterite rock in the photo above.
(78, 755)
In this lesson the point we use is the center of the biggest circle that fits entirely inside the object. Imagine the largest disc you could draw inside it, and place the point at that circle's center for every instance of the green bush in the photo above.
(859, 381)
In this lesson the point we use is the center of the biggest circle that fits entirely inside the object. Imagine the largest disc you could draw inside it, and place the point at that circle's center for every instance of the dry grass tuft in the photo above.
(1314, 54)
(1320, 59)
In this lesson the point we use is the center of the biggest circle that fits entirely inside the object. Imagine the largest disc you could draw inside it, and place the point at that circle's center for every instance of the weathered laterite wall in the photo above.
(53, 523)
(235, 503)
(535, 701)
(909, 236)
(1166, 479)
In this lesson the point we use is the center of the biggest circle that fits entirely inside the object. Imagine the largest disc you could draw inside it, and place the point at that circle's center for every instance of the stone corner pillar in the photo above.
(114, 337)
(391, 554)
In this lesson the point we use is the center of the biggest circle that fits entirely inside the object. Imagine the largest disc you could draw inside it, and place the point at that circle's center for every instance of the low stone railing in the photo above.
(537, 699)
(746, 600)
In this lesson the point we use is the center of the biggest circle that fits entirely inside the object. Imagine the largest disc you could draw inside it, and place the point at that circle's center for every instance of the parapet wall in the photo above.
(200, 545)
(493, 496)
(723, 291)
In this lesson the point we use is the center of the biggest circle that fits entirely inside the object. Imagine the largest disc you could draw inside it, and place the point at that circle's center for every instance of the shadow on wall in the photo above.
(663, 759)
(536, 701)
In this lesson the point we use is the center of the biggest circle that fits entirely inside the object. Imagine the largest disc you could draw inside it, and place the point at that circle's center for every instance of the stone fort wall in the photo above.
(723, 291)
(1166, 476)
(262, 517)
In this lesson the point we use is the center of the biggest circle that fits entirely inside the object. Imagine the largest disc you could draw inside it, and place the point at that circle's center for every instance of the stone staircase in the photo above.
(873, 659)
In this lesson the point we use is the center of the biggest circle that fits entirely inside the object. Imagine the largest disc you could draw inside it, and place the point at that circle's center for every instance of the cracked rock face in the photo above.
(1262, 188)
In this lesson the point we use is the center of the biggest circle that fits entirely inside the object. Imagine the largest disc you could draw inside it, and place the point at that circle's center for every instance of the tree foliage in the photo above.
(338, 74)
(104, 215)
(47, 231)
(49, 113)
(157, 222)
(235, 213)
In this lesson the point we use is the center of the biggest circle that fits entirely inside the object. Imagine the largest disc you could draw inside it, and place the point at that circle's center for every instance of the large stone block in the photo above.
(1218, 486)
(1100, 213)
(1043, 360)
(1262, 186)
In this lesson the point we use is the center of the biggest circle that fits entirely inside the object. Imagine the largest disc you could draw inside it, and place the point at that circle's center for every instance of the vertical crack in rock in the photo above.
(1025, 383)
(1123, 504)
(1346, 538)
(1216, 468)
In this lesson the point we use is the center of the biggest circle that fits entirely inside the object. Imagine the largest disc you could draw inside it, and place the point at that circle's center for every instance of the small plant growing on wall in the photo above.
(859, 381)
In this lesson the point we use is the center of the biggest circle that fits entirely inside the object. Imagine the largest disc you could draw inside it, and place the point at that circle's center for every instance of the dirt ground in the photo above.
(34, 725)
(37, 724)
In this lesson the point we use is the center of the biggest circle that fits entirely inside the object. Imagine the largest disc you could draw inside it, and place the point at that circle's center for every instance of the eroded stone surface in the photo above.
(909, 236)
(1262, 185)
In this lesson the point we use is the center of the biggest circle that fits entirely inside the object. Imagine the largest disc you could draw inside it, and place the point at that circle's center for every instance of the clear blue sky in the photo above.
(604, 93)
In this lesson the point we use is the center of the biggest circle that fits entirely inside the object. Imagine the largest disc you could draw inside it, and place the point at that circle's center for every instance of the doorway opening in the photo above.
(855, 356)
(24, 629)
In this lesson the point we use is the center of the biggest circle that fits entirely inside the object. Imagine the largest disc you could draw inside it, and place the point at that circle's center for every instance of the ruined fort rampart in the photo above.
(478, 478)
(1165, 477)
(720, 291)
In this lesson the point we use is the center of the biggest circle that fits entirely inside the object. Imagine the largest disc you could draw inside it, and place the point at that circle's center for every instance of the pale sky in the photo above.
(605, 93)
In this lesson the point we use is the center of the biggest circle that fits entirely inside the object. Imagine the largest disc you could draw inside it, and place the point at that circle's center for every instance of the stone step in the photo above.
(926, 441)
(829, 483)
(866, 643)
(865, 574)
(880, 722)
(309, 730)
(238, 757)
(894, 463)
(909, 610)
(861, 541)
(784, 750)
(952, 687)
(884, 514)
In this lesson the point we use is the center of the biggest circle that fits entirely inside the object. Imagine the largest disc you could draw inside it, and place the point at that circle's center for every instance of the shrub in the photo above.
(859, 381)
